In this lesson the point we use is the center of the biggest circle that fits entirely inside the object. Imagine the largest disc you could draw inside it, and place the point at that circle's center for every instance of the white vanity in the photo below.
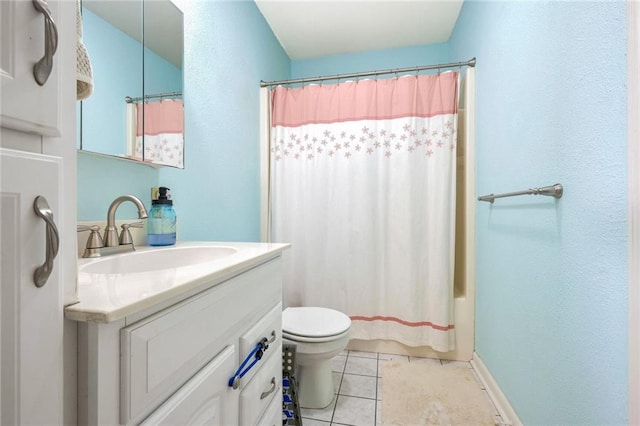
(162, 330)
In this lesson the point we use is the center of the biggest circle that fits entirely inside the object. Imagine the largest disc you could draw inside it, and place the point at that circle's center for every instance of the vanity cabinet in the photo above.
(171, 364)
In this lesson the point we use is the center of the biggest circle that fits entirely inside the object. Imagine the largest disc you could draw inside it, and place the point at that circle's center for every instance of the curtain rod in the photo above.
(470, 63)
(129, 99)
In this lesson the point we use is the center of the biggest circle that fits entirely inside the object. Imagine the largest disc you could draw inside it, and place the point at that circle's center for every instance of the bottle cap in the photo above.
(163, 197)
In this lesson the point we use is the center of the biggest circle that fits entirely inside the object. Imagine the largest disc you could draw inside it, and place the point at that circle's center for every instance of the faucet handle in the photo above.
(125, 235)
(95, 240)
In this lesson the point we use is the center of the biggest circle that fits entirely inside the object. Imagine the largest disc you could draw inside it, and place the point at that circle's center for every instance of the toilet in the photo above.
(319, 334)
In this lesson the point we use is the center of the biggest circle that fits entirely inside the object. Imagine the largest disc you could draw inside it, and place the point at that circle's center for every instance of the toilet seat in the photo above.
(314, 324)
(307, 339)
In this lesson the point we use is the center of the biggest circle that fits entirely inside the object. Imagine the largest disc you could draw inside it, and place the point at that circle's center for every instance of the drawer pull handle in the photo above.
(273, 337)
(272, 388)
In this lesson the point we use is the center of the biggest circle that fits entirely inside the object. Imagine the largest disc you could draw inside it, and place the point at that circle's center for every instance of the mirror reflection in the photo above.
(136, 109)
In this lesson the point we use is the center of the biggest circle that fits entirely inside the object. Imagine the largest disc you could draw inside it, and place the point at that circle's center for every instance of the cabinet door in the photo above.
(31, 317)
(263, 387)
(273, 414)
(26, 106)
(206, 399)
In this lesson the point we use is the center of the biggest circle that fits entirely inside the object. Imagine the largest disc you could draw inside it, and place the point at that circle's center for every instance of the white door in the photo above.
(31, 317)
(28, 106)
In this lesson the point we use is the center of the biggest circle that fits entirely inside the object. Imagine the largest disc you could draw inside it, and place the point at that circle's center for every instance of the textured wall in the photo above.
(115, 56)
(551, 275)
(229, 48)
(101, 180)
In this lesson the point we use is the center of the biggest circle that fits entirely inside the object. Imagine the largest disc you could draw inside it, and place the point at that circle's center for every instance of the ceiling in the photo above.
(305, 28)
(163, 26)
(312, 28)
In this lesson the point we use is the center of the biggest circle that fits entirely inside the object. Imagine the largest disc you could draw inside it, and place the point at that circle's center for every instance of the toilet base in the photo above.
(315, 384)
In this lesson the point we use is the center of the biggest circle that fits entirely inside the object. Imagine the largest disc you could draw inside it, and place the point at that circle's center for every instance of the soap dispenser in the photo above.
(161, 224)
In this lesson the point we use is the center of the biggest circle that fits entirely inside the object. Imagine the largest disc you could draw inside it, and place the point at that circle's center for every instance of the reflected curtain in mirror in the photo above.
(155, 132)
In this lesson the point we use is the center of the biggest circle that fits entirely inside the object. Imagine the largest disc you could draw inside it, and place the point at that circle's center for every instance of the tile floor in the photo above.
(358, 391)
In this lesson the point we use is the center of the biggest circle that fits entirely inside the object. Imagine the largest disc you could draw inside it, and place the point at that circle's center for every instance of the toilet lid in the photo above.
(314, 322)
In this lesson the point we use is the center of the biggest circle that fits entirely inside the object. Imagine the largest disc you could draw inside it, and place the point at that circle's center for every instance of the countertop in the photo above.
(107, 297)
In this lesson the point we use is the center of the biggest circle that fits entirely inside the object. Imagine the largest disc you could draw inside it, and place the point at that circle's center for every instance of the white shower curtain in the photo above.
(363, 185)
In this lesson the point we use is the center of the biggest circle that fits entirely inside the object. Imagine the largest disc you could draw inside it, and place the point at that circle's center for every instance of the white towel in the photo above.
(84, 73)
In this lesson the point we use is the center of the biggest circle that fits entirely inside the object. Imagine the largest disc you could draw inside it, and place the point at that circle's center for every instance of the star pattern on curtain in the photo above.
(425, 137)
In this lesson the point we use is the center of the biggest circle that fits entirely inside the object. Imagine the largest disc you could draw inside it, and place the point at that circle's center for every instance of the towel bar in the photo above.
(552, 191)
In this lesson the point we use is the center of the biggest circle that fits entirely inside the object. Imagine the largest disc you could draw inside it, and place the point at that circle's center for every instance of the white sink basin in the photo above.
(115, 286)
(155, 259)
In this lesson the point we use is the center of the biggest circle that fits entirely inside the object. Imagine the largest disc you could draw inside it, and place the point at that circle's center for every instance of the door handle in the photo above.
(42, 209)
(42, 69)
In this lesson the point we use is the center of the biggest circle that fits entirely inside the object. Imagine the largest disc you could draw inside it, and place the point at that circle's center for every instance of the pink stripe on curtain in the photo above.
(162, 117)
(411, 96)
(403, 322)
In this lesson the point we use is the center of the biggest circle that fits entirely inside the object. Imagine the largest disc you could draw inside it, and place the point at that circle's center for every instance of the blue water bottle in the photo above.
(161, 224)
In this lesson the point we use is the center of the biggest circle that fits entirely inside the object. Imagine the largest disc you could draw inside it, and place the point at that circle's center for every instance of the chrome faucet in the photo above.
(110, 232)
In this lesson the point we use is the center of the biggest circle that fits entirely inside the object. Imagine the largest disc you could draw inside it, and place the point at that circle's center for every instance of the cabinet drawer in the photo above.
(160, 353)
(265, 385)
(269, 327)
(205, 399)
(273, 414)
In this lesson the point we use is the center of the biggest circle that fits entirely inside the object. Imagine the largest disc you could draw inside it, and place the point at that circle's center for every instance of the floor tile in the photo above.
(356, 385)
(363, 354)
(393, 357)
(338, 362)
(486, 394)
(312, 422)
(448, 363)
(364, 366)
(477, 377)
(359, 389)
(355, 411)
(320, 413)
(425, 360)
(337, 380)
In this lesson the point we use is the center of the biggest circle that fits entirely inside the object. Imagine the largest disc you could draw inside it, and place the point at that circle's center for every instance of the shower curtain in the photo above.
(362, 184)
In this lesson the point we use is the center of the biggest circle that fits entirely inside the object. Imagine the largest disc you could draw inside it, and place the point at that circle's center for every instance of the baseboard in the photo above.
(501, 402)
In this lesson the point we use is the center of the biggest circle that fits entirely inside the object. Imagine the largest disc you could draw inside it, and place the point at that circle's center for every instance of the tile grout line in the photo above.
(375, 409)
(335, 406)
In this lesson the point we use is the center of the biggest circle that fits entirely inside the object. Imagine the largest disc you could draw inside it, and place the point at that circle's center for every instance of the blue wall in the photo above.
(551, 316)
(117, 65)
(116, 60)
(102, 179)
(229, 48)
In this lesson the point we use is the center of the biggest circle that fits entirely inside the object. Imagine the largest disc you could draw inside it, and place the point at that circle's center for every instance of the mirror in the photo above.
(135, 111)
